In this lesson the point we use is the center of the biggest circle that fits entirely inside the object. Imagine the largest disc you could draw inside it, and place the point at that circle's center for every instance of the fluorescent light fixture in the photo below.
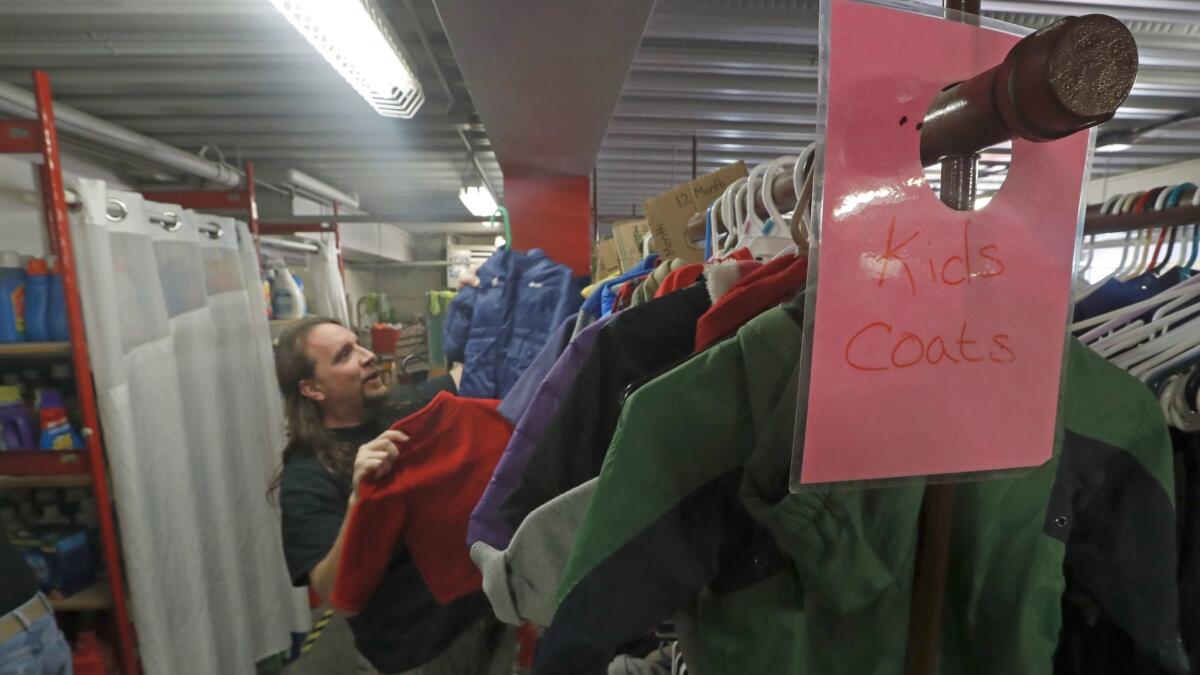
(357, 41)
(478, 200)
(1114, 147)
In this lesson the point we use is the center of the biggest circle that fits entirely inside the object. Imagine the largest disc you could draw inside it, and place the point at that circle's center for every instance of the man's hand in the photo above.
(377, 458)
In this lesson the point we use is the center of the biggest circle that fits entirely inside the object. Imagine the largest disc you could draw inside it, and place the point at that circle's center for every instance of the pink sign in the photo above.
(938, 335)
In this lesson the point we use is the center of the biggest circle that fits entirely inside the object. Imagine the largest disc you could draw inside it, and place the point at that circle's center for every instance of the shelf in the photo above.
(26, 482)
(95, 597)
(42, 465)
(27, 350)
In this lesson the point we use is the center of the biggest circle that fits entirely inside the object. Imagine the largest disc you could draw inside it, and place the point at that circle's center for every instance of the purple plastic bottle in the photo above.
(16, 432)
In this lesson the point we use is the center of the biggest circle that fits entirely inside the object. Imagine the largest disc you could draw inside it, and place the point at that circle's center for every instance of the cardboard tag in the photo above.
(628, 236)
(938, 336)
(668, 213)
(607, 260)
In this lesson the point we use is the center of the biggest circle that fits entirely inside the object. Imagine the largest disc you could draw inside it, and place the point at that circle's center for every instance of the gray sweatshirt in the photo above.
(521, 581)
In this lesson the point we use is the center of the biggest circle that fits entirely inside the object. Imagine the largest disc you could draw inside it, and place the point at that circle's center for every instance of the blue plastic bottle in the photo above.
(12, 297)
(37, 300)
(56, 309)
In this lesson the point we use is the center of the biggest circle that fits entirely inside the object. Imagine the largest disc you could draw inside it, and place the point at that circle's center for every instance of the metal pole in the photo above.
(337, 241)
(694, 172)
(251, 206)
(935, 529)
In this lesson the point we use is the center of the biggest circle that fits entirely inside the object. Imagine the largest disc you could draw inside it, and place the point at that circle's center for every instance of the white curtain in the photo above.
(327, 297)
(192, 428)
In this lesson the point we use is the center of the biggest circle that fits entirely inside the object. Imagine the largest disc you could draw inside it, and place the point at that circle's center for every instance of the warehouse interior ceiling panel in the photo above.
(234, 76)
(738, 75)
(741, 76)
(545, 74)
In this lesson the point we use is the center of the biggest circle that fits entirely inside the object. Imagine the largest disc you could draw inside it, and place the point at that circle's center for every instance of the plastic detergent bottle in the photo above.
(287, 299)
(37, 300)
(16, 433)
(57, 433)
(12, 297)
(56, 309)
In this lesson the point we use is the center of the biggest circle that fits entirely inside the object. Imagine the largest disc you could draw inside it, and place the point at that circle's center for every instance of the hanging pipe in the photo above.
(81, 126)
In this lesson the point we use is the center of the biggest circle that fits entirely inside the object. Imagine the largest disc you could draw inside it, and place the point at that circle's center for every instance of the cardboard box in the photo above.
(628, 236)
(607, 260)
(668, 213)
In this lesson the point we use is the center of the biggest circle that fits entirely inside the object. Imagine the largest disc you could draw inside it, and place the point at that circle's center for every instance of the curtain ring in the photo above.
(170, 221)
(74, 203)
(116, 210)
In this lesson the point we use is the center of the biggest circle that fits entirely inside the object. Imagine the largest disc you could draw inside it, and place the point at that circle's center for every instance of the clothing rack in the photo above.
(1062, 79)
(1095, 223)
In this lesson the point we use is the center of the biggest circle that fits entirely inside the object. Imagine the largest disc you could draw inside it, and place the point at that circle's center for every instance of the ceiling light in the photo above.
(478, 200)
(1114, 147)
(355, 39)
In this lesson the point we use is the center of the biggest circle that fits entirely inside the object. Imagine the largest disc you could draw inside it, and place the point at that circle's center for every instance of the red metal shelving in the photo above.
(40, 136)
(45, 463)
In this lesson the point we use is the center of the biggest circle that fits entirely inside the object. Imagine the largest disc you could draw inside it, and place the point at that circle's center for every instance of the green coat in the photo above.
(692, 516)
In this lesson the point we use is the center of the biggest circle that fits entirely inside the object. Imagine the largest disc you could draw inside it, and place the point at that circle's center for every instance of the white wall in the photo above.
(21, 217)
(1170, 174)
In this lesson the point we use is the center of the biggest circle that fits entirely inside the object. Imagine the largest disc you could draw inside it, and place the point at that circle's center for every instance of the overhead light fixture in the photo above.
(478, 200)
(357, 41)
(1113, 147)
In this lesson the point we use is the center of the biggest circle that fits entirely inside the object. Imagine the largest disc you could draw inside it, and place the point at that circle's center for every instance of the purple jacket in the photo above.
(516, 401)
(485, 524)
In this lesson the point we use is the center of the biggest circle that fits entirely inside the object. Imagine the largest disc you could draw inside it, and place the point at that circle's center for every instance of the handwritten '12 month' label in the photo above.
(938, 335)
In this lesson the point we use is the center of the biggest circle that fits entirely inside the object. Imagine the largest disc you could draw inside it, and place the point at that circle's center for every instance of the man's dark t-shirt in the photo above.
(402, 626)
(18, 584)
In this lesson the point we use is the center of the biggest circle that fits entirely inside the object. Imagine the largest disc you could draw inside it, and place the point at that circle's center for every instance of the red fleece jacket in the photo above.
(688, 274)
(426, 502)
(755, 293)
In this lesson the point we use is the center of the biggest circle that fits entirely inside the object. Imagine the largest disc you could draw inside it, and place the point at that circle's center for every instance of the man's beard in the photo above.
(376, 400)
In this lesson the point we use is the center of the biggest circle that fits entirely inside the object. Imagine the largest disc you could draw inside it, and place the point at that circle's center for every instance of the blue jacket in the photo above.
(497, 328)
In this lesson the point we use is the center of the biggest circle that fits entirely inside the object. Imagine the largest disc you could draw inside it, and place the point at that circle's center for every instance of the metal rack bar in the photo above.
(288, 245)
(1031, 95)
(1123, 222)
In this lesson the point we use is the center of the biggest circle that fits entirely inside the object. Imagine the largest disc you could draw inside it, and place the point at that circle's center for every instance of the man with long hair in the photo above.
(338, 411)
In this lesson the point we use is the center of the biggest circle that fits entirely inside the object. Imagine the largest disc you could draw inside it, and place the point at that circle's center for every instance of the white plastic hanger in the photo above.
(774, 235)
(802, 183)
(1109, 321)
(728, 216)
(1143, 252)
(753, 224)
(1106, 209)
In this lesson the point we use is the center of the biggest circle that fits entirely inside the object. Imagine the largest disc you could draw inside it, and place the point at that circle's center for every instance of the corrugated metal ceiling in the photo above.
(233, 74)
(741, 75)
(738, 74)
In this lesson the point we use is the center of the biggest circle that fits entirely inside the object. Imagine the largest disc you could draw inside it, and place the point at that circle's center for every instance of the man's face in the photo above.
(346, 372)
